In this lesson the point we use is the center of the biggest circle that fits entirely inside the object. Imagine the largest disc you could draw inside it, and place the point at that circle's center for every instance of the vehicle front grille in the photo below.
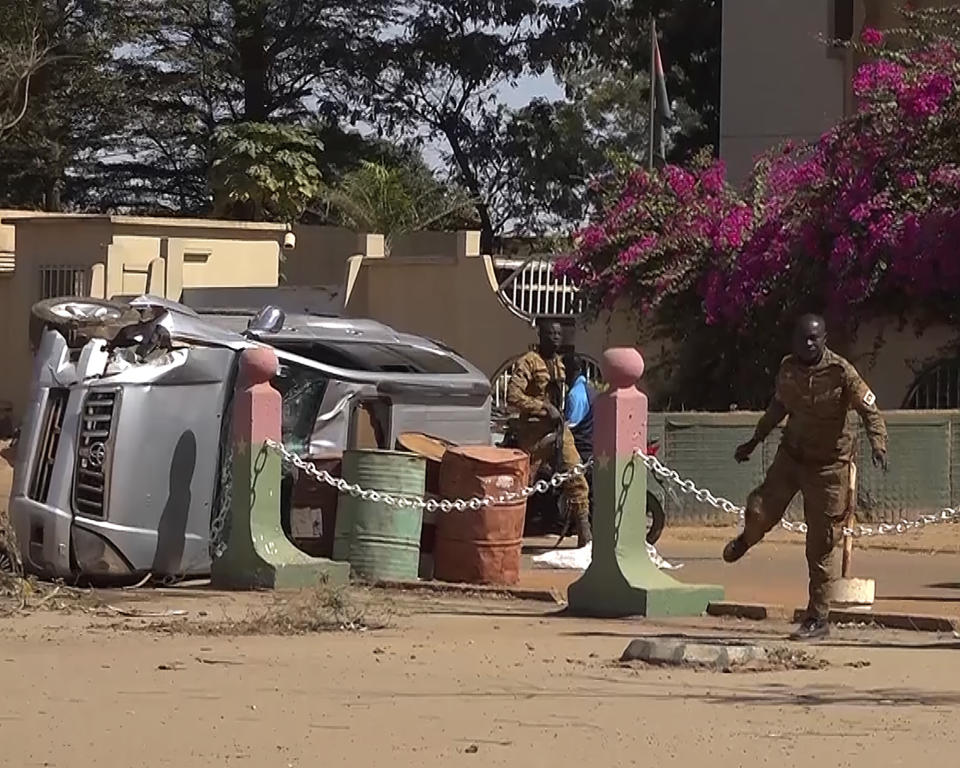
(94, 452)
(50, 429)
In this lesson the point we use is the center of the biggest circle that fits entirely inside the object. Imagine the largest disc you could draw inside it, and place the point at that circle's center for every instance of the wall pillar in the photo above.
(258, 554)
(621, 579)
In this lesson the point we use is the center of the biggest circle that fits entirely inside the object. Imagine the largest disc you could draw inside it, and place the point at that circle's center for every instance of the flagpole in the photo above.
(653, 86)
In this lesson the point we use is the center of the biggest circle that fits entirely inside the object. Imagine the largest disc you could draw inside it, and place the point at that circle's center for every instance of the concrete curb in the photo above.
(916, 622)
(486, 590)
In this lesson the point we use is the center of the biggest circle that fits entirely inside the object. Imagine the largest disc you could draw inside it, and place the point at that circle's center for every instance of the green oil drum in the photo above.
(382, 543)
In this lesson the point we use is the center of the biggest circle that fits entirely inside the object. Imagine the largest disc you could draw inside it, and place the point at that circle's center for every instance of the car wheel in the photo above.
(76, 312)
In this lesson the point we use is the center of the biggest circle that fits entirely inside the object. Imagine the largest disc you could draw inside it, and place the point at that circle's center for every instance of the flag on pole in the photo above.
(661, 114)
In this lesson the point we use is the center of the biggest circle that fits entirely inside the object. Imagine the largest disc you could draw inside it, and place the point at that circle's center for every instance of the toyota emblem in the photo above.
(96, 454)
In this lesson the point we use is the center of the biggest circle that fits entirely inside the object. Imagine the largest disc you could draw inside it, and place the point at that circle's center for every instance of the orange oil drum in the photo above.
(481, 546)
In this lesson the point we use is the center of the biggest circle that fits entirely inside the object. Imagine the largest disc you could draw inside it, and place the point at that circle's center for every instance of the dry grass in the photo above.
(320, 609)
(782, 658)
(25, 594)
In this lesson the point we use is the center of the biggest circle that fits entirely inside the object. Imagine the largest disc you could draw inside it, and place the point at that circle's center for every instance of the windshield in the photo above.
(376, 356)
(302, 390)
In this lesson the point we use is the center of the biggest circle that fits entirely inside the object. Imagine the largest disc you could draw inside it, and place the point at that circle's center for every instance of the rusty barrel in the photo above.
(381, 542)
(481, 546)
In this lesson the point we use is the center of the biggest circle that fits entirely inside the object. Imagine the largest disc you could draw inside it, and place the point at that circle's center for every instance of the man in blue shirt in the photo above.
(578, 412)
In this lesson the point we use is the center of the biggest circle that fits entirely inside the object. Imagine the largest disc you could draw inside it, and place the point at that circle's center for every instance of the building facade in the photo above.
(780, 77)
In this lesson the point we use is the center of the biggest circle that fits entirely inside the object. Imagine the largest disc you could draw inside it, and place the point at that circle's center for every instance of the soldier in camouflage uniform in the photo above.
(815, 390)
(529, 394)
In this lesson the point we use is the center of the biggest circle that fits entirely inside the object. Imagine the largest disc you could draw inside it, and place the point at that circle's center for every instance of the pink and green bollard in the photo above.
(621, 580)
(258, 555)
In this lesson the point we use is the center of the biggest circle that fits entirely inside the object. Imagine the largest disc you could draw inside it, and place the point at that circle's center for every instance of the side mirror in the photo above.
(270, 319)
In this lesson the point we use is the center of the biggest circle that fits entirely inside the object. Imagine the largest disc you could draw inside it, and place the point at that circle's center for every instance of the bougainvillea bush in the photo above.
(864, 221)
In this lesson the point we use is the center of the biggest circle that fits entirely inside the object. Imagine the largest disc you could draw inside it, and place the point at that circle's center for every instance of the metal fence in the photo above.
(924, 475)
(531, 290)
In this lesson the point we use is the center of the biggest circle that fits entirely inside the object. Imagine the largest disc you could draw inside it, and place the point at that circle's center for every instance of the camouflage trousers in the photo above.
(826, 490)
(576, 492)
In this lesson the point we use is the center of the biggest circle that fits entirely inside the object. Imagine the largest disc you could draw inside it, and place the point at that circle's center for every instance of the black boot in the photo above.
(812, 629)
(735, 549)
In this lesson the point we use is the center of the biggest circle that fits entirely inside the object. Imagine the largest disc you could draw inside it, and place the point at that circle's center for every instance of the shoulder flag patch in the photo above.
(869, 399)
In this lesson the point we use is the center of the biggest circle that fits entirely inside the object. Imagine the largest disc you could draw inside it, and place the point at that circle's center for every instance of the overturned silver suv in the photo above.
(123, 459)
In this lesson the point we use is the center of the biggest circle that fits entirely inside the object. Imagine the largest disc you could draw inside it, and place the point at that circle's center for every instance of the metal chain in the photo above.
(860, 531)
(220, 518)
(427, 505)
(652, 463)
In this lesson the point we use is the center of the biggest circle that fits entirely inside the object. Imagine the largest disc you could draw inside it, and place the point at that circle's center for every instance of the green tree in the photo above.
(65, 123)
(197, 65)
(614, 36)
(558, 151)
(395, 199)
(22, 53)
(264, 171)
(435, 77)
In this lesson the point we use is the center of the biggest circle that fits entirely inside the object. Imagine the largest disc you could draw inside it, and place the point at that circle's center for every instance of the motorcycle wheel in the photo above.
(656, 519)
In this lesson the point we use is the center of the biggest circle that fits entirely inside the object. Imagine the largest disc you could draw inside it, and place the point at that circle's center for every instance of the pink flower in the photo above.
(733, 228)
(562, 266)
(877, 77)
(871, 36)
(926, 96)
(712, 178)
(680, 181)
(860, 213)
(947, 175)
(592, 238)
(907, 179)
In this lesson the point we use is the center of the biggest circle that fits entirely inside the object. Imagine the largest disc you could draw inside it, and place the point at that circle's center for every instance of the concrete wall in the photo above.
(777, 80)
(452, 297)
(320, 257)
(124, 255)
(890, 356)
(924, 474)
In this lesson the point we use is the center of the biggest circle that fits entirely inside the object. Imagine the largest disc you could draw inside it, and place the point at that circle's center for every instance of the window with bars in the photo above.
(63, 280)
(533, 290)
(936, 388)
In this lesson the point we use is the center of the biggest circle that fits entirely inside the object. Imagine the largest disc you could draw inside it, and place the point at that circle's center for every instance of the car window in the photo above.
(302, 390)
(376, 356)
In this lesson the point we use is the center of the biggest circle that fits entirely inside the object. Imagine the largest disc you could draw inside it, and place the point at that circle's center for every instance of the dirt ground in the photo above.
(187, 677)
(498, 682)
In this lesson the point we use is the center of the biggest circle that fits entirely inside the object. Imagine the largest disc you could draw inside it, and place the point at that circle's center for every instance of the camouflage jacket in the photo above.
(816, 401)
(529, 390)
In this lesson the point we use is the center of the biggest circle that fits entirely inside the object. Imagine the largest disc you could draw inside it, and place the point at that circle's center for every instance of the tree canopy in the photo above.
(130, 104)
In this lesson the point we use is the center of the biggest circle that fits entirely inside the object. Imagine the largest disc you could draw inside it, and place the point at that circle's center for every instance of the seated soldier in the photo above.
(528, 394)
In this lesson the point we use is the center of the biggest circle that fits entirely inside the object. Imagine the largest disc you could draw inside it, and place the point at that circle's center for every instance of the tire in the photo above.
(656, 519)
(79, 312)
